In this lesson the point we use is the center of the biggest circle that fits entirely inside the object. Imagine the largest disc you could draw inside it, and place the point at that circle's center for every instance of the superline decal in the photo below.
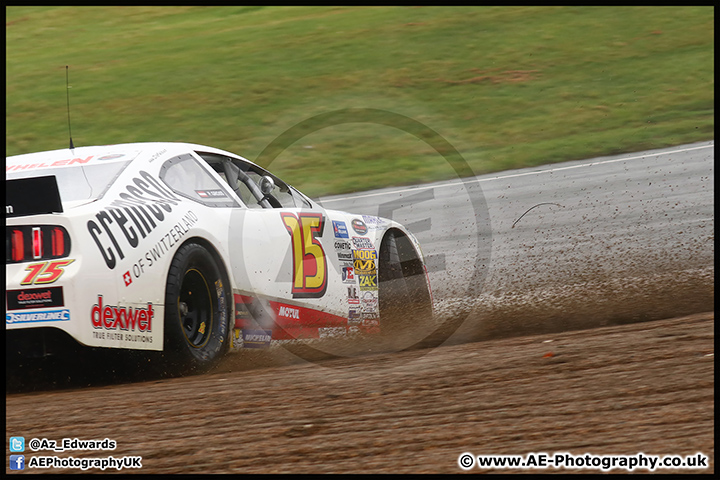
(35, 316)
(142, 207)
(309, 262)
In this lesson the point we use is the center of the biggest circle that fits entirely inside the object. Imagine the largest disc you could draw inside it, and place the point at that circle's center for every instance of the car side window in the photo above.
(186, 177)
(256, 187)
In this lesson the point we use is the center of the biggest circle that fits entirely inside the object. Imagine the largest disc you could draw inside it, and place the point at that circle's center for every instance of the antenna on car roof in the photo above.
(67, 92)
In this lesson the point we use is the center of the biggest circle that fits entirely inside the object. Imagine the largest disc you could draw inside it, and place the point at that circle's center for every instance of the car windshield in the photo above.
(80, 183)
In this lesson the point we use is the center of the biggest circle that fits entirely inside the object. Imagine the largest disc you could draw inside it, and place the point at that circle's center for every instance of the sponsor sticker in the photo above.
(362, 243)
(210, 193)
(348, 274)
(62, 315)
(111, 156)
(359, 226)
(340, 229)
(364, 262)
(353, 296)
(370, 325)
(367, 282)
(369, 302)
(343, 249)
(256, 338)
(285, 311)
(35, 298)
(373, 222)
(325, 332)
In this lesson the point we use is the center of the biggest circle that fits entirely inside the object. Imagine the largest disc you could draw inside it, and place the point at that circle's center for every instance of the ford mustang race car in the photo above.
(192, 251)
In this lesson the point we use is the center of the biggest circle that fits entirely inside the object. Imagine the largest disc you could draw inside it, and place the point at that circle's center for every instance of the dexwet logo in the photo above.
(110, 317)
(35, 298)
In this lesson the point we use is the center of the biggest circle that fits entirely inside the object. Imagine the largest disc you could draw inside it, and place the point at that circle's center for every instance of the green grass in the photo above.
(507, 86)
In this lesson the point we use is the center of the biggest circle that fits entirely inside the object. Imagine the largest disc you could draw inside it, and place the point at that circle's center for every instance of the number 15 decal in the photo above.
(309, 265)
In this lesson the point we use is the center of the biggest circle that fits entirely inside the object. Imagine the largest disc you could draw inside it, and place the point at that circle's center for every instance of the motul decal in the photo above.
(301, 322)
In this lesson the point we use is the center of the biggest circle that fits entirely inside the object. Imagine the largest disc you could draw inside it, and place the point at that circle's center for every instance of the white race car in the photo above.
(192, 251)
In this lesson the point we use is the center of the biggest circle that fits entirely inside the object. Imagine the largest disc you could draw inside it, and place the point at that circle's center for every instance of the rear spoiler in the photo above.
(32, 196)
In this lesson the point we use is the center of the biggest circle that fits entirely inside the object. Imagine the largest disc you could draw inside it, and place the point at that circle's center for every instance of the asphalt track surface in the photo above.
(597, 242)
(581, 320)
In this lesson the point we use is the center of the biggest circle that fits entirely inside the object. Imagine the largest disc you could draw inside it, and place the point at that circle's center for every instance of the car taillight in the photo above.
(41, 242)
(37, 243)
(58, 242)
(18, 246)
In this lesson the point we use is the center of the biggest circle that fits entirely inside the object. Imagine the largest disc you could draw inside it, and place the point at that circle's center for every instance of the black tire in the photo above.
(405, 302)
(196, 313)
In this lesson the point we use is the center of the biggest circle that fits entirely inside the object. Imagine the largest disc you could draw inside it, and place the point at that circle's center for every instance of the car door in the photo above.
(282, 252)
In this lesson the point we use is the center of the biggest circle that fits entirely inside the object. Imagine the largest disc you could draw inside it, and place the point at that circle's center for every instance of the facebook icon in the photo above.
(17, 462)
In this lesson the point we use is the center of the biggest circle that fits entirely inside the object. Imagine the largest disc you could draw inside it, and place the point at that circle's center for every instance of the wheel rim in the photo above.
(195, 308)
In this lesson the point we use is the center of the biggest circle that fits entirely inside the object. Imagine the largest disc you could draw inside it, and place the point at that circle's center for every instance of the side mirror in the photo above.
(267, 185)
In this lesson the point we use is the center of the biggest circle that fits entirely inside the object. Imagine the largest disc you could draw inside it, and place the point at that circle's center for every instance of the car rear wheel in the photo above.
(196, 314)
